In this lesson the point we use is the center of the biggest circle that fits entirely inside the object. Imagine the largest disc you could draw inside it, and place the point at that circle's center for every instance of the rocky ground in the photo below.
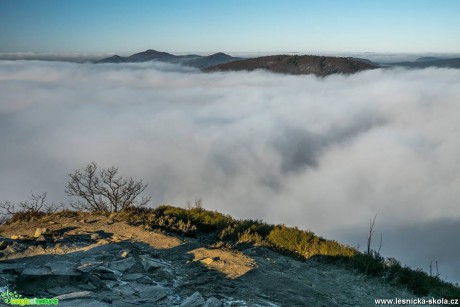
(95, 260)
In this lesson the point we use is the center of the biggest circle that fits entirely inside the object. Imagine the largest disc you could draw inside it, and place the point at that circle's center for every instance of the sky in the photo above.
(324, 154)
(414, 26)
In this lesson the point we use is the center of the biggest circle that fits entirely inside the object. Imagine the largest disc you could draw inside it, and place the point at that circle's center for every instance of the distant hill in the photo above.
(149, 55)
(298, 65)
(192, 60)
(430, 62)
(427, 59)
(113, 59)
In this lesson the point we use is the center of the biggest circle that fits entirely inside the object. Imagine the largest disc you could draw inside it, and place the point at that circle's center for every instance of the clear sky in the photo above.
(230, 26)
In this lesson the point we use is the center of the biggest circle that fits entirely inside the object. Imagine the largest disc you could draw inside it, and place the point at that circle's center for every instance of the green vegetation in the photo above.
(288, 240)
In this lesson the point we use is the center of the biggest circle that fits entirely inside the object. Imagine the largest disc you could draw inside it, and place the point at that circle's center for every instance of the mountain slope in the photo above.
(297, 65)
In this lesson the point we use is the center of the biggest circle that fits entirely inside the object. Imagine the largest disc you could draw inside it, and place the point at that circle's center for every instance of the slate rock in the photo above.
(150, 264)
(74, 295)
(212, 302)
(194, 300)
(3, 245)
(150, 292)
(62, 268)
(138, 277)
(123, 265)
(62, 290)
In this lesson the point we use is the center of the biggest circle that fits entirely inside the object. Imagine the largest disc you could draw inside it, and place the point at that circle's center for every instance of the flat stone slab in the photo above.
(62, 290)
(150, 264)
(123, 265)
(62, 268)
(194, 300)
(15, 267)
(37, 271)
(89, 266)
(74, 295)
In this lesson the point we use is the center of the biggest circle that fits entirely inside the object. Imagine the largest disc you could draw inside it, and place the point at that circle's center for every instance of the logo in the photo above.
(14, 298)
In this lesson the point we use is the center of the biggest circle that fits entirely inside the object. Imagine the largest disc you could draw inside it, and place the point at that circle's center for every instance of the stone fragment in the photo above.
(62, 290)
(132, 277)
(194, 300)
(63, 268)
(37, 271)
(103, 241)
(74, 295)
(39, 232)
(40, 238)
(106, 273)
(125, 290)
(89, 266)
(150, 264)
(123, 265)
(95, 236)
(16, 247)
(3, 245)
(12, 268)
(212, 302)
(150, 292)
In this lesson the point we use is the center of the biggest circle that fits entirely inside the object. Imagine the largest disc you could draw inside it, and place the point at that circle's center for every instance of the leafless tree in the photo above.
(8, 207)
(35, 204)
(370, 234)
(437, 269)
(198, 204)
(105, 189)
(380, 244)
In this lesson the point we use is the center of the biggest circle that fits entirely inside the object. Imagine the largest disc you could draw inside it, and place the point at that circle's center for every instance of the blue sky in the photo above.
(231, 26)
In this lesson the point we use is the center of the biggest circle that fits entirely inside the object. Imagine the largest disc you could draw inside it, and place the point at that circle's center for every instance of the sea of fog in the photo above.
(325, 154)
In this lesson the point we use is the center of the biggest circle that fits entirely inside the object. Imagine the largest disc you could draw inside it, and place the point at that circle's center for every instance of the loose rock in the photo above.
(123, 265)
(213, 302)
(194, 300)
(39, 232)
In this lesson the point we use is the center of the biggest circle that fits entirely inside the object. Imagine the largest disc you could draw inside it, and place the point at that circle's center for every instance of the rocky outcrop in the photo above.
(116, 264)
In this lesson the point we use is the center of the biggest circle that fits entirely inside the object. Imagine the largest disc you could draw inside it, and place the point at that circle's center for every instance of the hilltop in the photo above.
(298, 65)
(171, 256)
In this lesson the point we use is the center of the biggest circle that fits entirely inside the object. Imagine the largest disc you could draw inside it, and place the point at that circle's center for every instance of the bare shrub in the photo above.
(36, 205)
(104, 190)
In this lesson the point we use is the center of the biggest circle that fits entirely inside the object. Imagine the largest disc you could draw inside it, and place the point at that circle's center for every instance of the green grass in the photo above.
(291, 241)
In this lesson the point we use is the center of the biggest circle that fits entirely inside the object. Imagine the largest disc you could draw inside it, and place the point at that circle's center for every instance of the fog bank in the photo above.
(321, 153)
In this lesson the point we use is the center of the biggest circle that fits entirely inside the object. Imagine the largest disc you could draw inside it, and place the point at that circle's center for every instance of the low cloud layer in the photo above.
(321, 153)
